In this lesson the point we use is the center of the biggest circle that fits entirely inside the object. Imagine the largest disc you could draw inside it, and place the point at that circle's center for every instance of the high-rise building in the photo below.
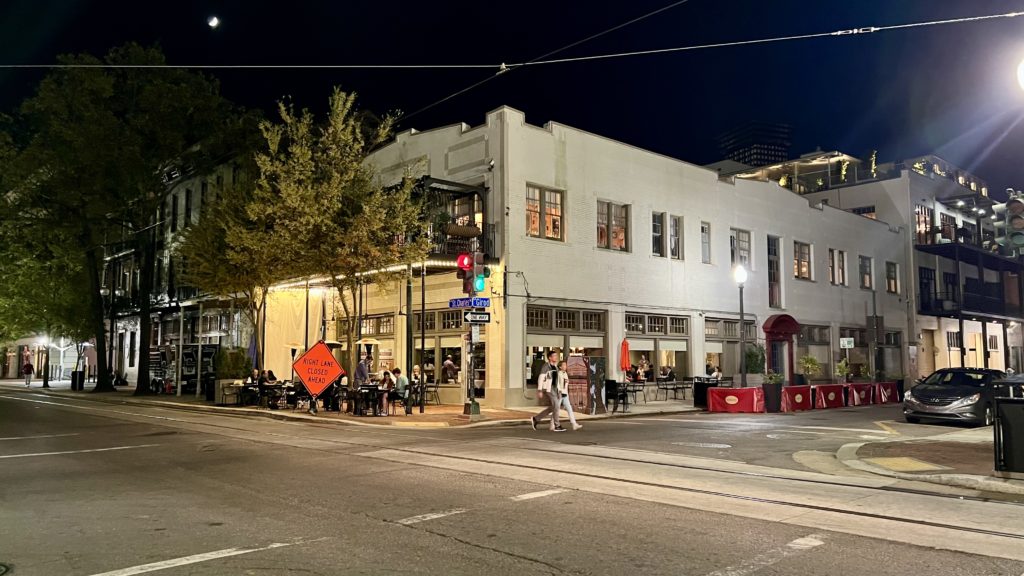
(756, 143)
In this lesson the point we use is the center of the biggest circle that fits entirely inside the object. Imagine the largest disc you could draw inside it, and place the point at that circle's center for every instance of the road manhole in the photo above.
(702, 445)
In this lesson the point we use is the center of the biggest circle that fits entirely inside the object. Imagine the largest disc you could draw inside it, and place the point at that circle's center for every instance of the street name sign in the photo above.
(471, 317)
(469, 303)
(317, 368)
(845, 343)
(475, 333)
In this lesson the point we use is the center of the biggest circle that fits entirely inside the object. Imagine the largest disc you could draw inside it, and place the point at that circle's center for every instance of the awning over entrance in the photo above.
(781, 326)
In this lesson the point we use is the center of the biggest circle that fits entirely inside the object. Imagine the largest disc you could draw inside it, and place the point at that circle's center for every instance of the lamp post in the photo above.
(739, 274)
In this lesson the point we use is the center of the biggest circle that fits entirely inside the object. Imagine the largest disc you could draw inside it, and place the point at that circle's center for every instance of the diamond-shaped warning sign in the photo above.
(317, 368)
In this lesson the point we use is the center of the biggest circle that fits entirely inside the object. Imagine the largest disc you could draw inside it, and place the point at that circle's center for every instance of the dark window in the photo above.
(675, 237)
(188, 207)
(174, 213)
(658, 233)
(131, 348)
(774, 274)
(865, 272)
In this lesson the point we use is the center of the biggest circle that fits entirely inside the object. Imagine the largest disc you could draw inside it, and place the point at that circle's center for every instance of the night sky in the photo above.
(950, 90)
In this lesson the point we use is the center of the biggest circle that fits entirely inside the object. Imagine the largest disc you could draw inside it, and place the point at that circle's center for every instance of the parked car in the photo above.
(954, 394)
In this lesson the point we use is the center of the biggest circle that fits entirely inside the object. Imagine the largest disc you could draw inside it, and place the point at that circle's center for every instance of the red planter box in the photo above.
(735, 399)
(796, 398)
(828, 396)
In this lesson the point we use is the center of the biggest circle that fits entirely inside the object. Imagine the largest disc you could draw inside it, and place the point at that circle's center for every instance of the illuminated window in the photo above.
(802, 260)
(545, 206)
(612, 226)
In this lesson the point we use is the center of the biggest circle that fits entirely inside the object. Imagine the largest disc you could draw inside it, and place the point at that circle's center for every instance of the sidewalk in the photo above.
(962, 458)
(434, 416)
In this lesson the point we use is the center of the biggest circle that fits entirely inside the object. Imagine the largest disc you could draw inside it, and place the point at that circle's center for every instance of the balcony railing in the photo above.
(948, 304)
(444, 244)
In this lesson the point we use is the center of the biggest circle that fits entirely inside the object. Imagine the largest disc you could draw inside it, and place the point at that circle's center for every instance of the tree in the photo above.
(317, 190)
(98, 144)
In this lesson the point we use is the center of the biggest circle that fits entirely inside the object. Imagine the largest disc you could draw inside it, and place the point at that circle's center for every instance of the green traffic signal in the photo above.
(478, 283)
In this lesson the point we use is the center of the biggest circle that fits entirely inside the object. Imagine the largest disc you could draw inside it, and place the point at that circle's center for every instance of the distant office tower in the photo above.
(756, 143)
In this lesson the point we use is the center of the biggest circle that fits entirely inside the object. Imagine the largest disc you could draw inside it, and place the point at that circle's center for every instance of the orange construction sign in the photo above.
(317, 368)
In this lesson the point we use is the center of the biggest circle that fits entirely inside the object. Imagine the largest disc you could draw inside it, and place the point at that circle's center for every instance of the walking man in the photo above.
(27, 370)
(547, 384)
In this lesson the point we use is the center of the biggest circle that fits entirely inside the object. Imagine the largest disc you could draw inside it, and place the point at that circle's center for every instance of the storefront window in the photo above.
(679, 325)
(451, 320)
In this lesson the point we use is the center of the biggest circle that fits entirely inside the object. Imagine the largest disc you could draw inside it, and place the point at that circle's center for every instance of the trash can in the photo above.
(210, 387)
(1008, 433)
(77, 380)
(700, 391)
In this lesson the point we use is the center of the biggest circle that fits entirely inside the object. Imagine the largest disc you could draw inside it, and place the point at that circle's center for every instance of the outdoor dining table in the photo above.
(367, 397)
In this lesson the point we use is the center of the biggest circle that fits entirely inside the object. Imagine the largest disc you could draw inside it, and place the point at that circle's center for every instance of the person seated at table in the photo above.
(402, 389)
(670, 374)
(717, 374)
(387, 382)
(271, 378)
(250, 388)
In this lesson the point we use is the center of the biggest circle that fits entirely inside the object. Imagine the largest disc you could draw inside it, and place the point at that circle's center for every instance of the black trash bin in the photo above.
(78, 380)
(1009, 437)
(210, 387)
(700, 391)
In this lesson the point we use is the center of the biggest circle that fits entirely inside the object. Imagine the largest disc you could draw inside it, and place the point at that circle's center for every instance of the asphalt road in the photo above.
(95, 489)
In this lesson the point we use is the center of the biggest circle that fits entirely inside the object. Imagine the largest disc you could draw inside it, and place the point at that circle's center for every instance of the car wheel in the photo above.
(913, 419)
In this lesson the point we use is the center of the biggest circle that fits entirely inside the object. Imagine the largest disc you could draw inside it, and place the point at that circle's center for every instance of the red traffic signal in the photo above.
(464, 261)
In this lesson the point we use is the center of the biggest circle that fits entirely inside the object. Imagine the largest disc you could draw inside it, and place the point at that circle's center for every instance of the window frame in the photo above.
(675, 239)
(837, 267)
(870, 274)
(550, 223)
(892, 282)
(705, 242)
(658, 236)
(736, 250)
(798, 251)
(609, 223)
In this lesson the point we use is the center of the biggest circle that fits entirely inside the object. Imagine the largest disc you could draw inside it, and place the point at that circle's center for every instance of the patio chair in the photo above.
(432, 390)
(635, 386)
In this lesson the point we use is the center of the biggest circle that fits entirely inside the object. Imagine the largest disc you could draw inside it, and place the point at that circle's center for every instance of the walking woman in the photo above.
(563, 391)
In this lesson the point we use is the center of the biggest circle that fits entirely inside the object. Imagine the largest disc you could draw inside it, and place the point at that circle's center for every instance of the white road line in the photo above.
(40, 436)
(532, 495)
(431, 516)
(771, 557)
(861, 430)
(77, 451)
(185, 560)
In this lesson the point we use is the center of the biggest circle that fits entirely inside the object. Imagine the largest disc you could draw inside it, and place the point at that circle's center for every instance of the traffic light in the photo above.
(480, 272)
(465, 263)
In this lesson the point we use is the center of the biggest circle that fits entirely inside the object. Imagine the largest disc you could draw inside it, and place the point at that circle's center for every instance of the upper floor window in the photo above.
(705, 242)
(866, 211)
(675, 237)
(544, 206)
(658, 233)
(188, 207)
(892, 278)
(612, 226)
(866, 280)
(174, 213)
(802, 260)
(837, 267)
(739, 246)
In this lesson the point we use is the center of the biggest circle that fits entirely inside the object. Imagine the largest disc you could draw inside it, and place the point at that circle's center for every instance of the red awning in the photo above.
(781, 325)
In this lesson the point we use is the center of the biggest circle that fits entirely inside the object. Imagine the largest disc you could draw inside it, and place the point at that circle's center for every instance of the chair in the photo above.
(301, 396)
(616, 392)
(665, 386)
(635, 386)
(394, 397)
(432, 390)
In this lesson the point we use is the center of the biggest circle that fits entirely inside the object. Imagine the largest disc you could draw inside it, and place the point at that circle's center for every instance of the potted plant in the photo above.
(772, 388)
(843, 370)
(809, 368)
(753, 366)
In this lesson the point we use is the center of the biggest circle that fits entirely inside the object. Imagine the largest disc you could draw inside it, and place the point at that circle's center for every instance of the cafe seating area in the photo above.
(366, 400)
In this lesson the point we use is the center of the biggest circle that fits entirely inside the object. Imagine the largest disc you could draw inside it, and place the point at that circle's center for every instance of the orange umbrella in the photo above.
(624, 363)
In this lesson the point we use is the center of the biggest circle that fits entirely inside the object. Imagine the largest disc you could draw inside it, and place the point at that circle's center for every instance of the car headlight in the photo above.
(908, 396)
(972, 399)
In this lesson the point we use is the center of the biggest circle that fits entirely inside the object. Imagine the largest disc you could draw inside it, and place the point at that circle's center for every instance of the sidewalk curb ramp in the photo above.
(847, 454)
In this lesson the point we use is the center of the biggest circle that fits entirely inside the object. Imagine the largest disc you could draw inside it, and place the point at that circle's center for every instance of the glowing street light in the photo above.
(1020, 74)
(739, 275)
(213, 21)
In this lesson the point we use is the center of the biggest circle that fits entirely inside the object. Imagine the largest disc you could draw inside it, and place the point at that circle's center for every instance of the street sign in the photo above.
(470, 317)
(469, 303)
(317, 368)
(845, 343)
(475, 333)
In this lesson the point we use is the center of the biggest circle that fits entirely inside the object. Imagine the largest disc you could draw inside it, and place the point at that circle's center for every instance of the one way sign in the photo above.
(476, 317)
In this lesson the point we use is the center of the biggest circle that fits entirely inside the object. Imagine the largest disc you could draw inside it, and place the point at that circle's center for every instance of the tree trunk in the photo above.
(145, 247)
(46, 359)
(103, 383)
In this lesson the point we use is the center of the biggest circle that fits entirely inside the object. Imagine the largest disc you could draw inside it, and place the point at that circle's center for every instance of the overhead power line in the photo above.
(504, 67)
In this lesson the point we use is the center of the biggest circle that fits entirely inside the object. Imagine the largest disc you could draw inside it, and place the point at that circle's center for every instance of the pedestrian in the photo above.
(563, 391)
(28, 370)
(402, 389)
(547, 384)
(363, 372)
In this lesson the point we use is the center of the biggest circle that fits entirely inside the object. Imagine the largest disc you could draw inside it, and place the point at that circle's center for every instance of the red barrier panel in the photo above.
(859, 394)
(796, 398)
(735, 399)
(885, 393)
(828, 396)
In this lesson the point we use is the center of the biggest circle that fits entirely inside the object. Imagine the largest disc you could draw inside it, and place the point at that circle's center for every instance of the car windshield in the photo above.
(975, 379)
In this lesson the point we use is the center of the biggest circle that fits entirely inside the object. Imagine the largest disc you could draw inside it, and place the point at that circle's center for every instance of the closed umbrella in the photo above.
(624, 364)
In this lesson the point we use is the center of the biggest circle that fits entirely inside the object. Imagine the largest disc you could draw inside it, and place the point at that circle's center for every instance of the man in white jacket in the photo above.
(547, 384)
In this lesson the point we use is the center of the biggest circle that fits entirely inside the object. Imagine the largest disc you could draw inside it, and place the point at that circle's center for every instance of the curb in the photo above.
(297, 417)
(847, 454)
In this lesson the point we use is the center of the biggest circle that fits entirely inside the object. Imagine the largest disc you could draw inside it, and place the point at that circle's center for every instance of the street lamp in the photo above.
(739, 274)
(1020, 74)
